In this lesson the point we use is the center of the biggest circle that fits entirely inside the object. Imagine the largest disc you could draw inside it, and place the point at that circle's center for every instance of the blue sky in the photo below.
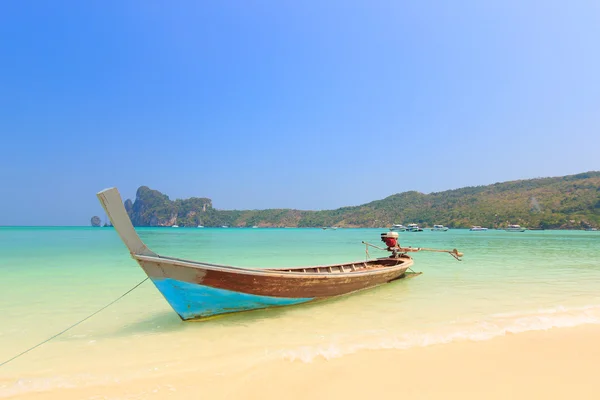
(309, 105)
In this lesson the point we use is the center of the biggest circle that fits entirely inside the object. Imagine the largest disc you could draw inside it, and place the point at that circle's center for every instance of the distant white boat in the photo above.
(200, 226)
(514, 228)
(439, 228)
(413, 228)
(398, 228)
(478, 228)
(224, 226)
(174, 226)
(254, 226)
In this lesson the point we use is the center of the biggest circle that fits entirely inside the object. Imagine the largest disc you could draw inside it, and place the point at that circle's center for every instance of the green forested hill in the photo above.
(562, 202)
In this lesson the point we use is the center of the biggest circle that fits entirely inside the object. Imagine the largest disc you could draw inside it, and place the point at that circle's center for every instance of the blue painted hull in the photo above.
(195, 301)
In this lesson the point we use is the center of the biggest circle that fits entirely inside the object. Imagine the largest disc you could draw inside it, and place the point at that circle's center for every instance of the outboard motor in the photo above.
(390, 239)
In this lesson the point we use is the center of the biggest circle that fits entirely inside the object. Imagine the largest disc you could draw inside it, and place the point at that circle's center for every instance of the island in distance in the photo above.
(567, 202)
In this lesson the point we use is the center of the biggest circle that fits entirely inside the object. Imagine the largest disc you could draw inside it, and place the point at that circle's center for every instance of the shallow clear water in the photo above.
(53, 277)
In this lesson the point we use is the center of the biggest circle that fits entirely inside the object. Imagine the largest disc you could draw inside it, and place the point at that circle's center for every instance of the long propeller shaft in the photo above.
(454, 252)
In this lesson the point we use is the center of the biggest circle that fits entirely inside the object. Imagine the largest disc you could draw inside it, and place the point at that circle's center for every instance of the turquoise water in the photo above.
(53, 277)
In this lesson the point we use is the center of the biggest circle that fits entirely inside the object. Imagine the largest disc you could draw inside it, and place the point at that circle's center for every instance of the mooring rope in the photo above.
(75, 324)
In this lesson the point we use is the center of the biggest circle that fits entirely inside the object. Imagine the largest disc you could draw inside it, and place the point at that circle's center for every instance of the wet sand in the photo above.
(561, 363)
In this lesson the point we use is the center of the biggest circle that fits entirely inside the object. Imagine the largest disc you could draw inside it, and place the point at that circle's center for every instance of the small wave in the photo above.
(474, 330)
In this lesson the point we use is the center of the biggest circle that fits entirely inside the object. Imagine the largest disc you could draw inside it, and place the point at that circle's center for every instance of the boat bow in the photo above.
(113, 206)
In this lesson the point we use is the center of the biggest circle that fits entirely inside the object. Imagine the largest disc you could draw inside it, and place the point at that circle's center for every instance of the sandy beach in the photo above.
(560, 363)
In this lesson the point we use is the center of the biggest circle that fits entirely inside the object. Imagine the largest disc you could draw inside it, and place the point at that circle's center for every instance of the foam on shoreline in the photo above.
(486, 328)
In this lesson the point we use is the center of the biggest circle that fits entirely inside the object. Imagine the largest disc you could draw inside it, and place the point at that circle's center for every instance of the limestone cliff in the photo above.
(152, 208)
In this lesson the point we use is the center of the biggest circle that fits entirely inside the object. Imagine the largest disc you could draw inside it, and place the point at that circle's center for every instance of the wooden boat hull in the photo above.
(197, 290)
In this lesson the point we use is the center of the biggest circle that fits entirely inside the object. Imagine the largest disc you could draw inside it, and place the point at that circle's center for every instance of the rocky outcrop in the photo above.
(96, 222)
(152, 208)
(128, 206)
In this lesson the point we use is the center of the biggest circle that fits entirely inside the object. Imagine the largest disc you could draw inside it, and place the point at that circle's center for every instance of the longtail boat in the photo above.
(198, 290)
